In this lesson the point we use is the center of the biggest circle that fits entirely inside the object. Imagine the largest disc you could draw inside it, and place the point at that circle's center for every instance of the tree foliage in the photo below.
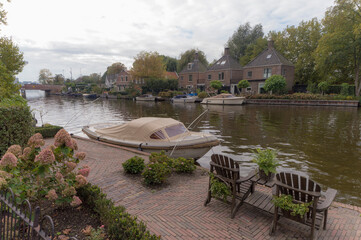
(276, 84)
(148, 65)
(216, 84)
(252, 50)
(170, 63)
(159, 85)
(59, 79)
(116, 68)
(242, 38)
(298, 45)
(243, 84)
(11, 63)
(338, 54)
(189, 56)
(45, 76)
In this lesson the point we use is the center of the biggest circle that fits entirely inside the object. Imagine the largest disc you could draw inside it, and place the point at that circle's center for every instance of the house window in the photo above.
(249, 89)
(121, 77)
(260, 88)
(190, 78)
(181, 78)
(190, 66)
(267, 72)
(209, 77)
(221, 76)
(249, 74)
(126, 78)
(284, 72)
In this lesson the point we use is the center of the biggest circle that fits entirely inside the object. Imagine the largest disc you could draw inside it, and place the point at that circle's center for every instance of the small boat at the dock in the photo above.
(183, 99)
(224, 99)
(89, 95)
(145, 97)
(151, 134)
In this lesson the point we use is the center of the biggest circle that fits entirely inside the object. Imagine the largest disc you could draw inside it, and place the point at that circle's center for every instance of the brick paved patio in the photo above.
(176, 211)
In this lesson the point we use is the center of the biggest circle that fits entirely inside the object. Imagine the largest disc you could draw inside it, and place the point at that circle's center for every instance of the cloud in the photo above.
(89, 35)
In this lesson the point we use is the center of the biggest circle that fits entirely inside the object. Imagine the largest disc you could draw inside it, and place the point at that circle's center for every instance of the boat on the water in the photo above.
(152, 134)
(145, 97)
(184, 99)
(88, 95)
(224, 99)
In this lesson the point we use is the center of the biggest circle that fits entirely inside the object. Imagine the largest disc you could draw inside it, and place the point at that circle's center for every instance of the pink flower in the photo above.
(62, 137)
(84, 171)
(52, 148)
(46, 156)
(52, 196)
(68, 191)
(71, 166)
(102, 226)
(16, 150)
(59, 177)
(9, 159)
(81, 180)
(36, 141)
(80, 155)
(26, 153)
(2, 182)
(5, 175)
(74, 145)
(76, 201)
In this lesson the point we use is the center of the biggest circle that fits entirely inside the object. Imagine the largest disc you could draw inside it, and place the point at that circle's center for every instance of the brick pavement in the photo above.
(176, 211)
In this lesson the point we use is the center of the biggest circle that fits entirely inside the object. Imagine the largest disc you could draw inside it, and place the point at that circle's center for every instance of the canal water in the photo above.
(322, 142)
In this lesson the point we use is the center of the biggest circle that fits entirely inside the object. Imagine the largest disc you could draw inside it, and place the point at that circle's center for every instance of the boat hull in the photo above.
(184, 100)
(223, 101)
(145, 99)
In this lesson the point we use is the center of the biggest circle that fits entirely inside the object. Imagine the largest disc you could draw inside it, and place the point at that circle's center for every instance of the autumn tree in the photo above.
(116, 68)
(338, 54)
(45, 76)
(298, 45)
(189, 56)
(242, 38)
(148, 65)
(11, 63)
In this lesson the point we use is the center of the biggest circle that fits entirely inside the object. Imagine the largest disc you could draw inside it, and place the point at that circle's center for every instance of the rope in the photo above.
(81, 111)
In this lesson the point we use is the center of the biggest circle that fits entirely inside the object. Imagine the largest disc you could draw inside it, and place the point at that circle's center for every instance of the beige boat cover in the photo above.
(137, 130)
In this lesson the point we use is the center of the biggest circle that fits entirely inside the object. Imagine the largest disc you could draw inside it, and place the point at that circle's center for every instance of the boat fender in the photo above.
(140, 147)
(98, 138)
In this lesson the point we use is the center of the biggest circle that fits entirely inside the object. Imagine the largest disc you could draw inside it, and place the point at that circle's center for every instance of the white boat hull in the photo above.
(223, 101)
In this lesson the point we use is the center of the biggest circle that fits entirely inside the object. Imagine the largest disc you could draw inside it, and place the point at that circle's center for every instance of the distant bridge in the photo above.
(49, 89)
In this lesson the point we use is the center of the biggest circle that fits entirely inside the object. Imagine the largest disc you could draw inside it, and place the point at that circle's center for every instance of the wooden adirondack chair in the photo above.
(226, 170)
(303, 190)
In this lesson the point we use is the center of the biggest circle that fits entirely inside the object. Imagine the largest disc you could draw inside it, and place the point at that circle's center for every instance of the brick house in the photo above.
(227, 70)
(124, 78)
(267, 63)
(193, 75)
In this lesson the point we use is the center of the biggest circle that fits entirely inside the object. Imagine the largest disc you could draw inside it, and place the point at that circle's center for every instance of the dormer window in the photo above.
(269, 56)
(190, 65)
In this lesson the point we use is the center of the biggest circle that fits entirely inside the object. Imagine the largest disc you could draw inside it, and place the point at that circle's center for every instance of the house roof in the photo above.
(270, 56)
(226, 62)
(194, 67)
(171, 75)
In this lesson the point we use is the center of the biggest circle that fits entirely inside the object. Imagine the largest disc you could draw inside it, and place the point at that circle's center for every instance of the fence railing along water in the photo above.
(20, 221)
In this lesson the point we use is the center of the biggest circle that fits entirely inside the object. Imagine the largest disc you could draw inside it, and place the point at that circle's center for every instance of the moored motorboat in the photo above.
(183, 99)
(225, 99)
(145, 97)
(151, 134)
(89, 95)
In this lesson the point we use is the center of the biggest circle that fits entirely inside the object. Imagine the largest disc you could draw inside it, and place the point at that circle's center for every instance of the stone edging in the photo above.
(341, 103)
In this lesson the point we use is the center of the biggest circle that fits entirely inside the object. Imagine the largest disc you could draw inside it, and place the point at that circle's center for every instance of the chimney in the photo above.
(270, 44)
(226, 51)
(196, 56)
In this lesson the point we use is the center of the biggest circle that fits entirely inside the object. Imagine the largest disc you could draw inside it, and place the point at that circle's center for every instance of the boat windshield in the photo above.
(175, 130)
(157, 135)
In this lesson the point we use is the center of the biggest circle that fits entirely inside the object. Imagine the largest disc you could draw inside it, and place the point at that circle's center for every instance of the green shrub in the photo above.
(184, 165)
(285, 202)
(219, 189)
(224, 91)
(216, 84)
(312, 88)
(202, 95)
(243, 84)
(156, 173)
(266, 160)
(118, 223)
(323, 86)
(48, 131)
(346, 89)
(15, 122)
(276, 84)
(161, 157)
(134, 165)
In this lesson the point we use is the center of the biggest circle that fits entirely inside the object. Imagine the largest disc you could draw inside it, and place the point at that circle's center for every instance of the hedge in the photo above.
(118, 223)
(48, 131)
(15, 123)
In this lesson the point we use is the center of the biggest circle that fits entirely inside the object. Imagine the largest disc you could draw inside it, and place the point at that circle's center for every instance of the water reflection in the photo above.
(321, 142)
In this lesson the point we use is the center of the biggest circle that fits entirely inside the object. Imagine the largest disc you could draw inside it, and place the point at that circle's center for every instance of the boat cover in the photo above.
(139, 129)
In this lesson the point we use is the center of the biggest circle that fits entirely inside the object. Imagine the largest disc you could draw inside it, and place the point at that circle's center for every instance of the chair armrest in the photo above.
(246, 178)
(329, 196)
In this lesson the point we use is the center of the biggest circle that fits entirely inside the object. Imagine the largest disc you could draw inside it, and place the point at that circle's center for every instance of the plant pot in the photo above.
(298, 218)
(265, 177)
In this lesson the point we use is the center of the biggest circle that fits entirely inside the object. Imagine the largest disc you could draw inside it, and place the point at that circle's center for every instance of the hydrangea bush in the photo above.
(35, 173)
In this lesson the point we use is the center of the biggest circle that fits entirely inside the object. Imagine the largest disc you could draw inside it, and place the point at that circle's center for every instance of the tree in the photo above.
(59, 79)
(216, 84)
(275, 84)
(298, 45)
(189, 56)
(170, 63)
(243, 84)
(45, 76)
(338, 54)
(242, 37)
(252, 50)
(148, 65)
(3, 14)
(11, 63)
(116, 68)
(323, 86)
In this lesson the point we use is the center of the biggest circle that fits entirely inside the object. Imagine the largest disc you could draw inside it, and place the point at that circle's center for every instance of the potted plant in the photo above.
(290, 209)
(267, 163)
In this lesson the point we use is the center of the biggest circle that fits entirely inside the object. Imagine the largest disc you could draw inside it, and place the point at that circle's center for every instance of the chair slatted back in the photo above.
(296, 183)
(225, 167)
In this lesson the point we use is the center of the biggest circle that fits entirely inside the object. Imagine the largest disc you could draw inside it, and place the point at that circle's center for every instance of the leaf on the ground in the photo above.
(87, 230)
(67, 231)
(63, 237)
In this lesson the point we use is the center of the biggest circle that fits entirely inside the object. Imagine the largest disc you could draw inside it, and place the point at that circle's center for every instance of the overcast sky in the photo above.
(89, 35)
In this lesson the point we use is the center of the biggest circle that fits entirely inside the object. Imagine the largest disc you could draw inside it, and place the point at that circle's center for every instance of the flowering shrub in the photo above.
(156, 173)
(134, 165)
(161, 157)
(184, 165)
(36, 173)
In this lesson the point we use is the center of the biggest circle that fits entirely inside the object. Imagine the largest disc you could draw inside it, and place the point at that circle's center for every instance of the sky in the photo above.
(80, 37)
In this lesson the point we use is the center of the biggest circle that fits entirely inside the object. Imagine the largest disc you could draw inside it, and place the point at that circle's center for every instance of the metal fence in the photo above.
(20, 221)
